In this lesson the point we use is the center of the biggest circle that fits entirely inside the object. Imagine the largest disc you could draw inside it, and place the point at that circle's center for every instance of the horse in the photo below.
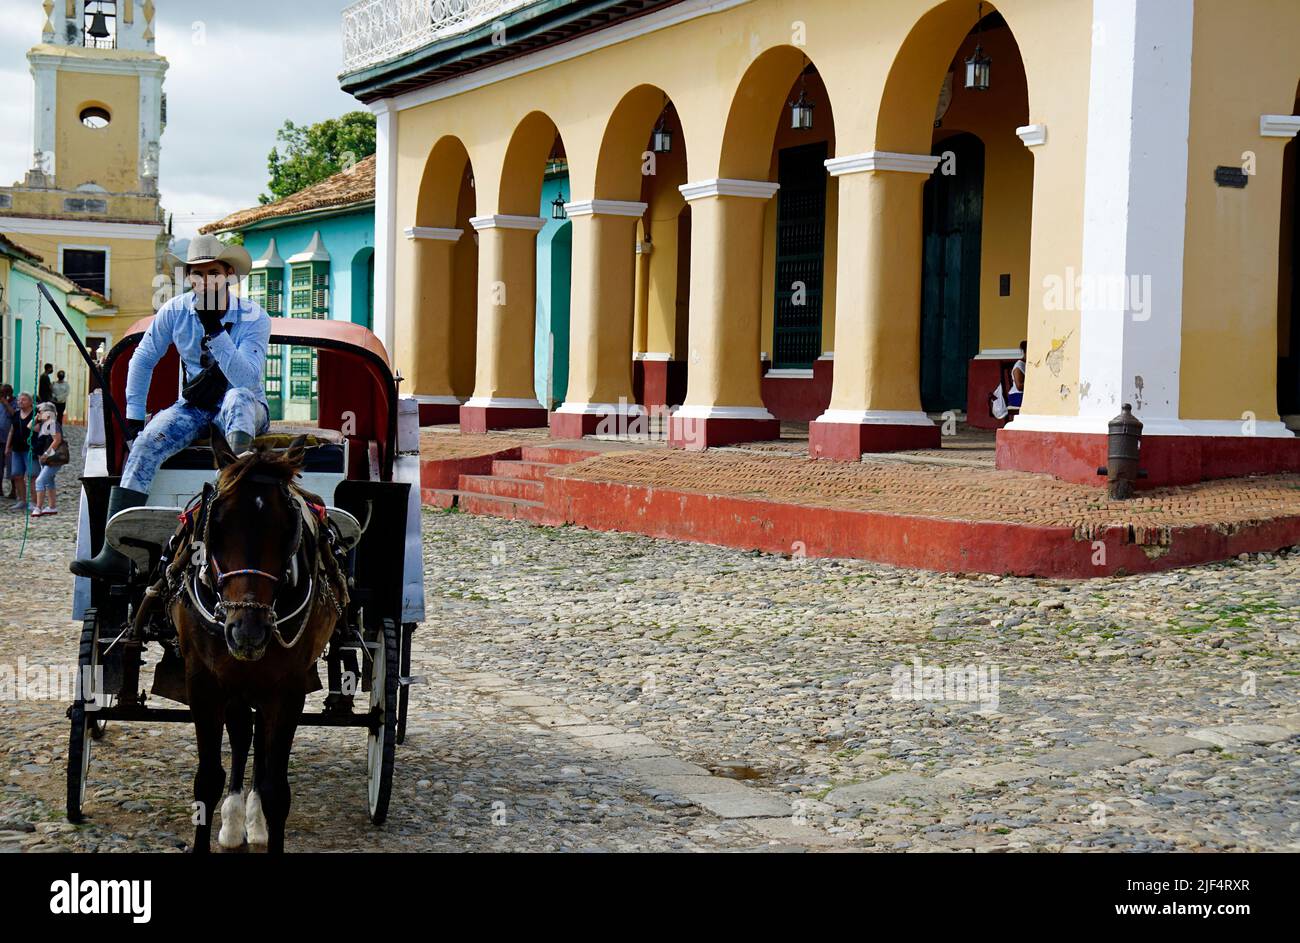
(255, 590)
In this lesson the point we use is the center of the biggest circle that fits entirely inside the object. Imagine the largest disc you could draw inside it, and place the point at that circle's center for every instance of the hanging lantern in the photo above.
(978, 66)
(801, 112)
(801, 109)
(661, 142)
(557, 208)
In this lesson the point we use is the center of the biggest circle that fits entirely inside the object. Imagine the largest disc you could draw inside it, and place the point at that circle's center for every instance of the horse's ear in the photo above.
(221, 448)
(296, 454)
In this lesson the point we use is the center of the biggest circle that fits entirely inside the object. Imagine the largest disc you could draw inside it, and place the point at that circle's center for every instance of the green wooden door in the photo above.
(800, 256)
(950, 274)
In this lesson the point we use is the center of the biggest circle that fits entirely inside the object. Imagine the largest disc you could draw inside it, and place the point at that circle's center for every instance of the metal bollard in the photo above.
(1123, 444)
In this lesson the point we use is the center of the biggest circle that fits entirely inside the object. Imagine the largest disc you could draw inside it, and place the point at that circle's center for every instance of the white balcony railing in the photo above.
(375, 31)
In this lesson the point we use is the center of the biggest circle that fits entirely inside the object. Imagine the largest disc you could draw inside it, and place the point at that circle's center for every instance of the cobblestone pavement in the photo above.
(613, 692)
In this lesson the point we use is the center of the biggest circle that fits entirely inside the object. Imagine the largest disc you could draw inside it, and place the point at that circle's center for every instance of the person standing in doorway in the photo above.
(59, 394)
(45, 386)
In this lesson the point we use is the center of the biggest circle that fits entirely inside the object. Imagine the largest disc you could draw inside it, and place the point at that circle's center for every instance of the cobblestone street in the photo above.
(601, 691)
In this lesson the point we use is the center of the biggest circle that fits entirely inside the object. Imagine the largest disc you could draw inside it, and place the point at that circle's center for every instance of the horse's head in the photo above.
(252, 536)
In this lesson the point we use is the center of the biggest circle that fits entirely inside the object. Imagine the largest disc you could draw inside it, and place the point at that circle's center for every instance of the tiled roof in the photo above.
(9, 247)
(347, 188)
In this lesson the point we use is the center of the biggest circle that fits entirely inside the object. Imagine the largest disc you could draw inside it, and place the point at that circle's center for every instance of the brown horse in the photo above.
(257, 592)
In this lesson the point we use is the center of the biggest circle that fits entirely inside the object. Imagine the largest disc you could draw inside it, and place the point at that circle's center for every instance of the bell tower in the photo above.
(89, 203)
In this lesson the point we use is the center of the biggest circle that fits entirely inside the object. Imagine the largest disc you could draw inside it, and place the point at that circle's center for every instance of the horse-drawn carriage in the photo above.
(355, 475)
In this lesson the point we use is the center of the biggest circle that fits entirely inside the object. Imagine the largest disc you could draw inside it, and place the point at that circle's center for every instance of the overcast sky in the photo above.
(263, 61)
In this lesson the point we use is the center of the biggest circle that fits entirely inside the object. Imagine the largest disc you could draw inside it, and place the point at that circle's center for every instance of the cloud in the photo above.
(237, 70)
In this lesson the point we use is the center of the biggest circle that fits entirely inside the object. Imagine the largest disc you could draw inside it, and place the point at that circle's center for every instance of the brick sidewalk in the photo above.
(944, 492)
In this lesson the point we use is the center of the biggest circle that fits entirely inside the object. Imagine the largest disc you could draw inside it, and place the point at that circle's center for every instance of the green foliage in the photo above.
(307, 154)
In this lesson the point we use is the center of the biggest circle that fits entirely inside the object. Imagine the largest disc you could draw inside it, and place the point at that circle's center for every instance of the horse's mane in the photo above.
(282, 464)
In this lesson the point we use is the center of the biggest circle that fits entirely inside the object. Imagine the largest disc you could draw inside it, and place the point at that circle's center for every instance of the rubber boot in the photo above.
(240, 442)
(111, 565)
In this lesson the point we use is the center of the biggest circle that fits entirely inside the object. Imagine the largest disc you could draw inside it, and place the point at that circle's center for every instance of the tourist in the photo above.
(7, 410)
(59, 394)
(1001, 402)
(19, 445)
(51, 452)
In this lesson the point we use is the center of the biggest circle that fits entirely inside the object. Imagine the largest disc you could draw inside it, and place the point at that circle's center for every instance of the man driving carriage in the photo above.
(222, 341)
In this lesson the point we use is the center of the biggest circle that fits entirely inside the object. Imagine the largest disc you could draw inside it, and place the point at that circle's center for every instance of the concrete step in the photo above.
(500, 487)
(557, 456)
(438, 497)
(510, 508)
(531, 471)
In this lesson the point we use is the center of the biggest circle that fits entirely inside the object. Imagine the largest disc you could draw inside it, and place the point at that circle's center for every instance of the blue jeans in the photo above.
(177, 426)
(18, 463)
(45, 480)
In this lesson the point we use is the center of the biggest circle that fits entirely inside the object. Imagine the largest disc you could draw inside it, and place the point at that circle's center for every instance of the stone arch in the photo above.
(756, 109)
(533, 141)
(620, 161)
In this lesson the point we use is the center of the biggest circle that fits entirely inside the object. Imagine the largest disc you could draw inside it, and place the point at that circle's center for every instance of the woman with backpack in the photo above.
(51, 450)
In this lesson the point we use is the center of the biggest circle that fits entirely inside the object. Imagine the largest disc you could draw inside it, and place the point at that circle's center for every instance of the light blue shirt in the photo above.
(241, 353)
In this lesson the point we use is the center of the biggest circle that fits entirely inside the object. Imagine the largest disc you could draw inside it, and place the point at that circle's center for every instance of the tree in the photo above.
(307, 154)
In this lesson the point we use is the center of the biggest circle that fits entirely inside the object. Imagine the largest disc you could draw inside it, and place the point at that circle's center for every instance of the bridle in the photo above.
(208, 570)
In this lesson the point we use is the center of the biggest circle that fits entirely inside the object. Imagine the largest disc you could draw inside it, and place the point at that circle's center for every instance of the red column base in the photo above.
(1167, 459)
(575, 425)
(846, 441)
(475, 420)
(696, 435)
(439, 414)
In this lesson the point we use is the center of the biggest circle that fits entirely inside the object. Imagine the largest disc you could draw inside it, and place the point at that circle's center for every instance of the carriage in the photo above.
(361, 458)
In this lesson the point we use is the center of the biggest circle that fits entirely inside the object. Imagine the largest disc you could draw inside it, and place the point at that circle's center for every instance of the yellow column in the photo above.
(600, 319)
(724, 401)
(876, 393)
(507, 311)
(424, 329)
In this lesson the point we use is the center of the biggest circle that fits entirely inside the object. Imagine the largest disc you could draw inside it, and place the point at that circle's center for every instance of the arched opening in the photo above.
(437, 348)
(1288, 287)
(781, 128)
(977, 204)
(554, 284)
(362, 309)
(643, 159)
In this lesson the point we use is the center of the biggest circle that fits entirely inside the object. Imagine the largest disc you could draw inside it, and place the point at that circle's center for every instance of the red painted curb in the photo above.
(951, 546)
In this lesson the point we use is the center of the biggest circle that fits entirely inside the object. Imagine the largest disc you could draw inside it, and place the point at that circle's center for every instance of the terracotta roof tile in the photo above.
(343, 189)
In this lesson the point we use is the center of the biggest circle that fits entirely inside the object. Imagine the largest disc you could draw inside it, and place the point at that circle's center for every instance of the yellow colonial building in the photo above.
(89, 204)
(850, 212)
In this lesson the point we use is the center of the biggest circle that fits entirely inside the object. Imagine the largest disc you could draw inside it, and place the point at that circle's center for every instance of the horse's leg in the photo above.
(207, 709)
(254, 814)
(279, 723)
(239, 724)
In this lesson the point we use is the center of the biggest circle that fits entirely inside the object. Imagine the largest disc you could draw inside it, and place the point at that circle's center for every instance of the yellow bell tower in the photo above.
(89, 204)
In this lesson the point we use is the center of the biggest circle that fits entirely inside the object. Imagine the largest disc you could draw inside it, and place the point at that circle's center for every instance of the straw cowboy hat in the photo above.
(211, 249)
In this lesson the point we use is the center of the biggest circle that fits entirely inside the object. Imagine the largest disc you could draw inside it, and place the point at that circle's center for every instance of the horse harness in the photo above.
(317, 558)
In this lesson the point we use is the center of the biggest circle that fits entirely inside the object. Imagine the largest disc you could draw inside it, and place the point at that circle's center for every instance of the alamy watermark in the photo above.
(959, 683)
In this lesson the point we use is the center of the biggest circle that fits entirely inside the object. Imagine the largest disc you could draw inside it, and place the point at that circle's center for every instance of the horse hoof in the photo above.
(232, 834)
(255, 821)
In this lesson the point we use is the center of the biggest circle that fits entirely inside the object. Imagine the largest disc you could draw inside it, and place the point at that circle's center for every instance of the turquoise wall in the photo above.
(26, 302)
(554, 258)
(349, 239)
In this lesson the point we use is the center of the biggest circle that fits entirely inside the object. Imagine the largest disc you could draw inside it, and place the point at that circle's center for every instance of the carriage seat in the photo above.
(325, 449)
(136, 532)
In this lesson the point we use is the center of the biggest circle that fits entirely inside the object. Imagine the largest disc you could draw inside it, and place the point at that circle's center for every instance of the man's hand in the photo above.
(211, 321)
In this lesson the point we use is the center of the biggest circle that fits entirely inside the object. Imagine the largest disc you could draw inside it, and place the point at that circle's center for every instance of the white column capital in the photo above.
(874, 161)
(1032, 135)
(605, 208)
(434, 233)
(533, 223)
(1279, 126)
(754, 189)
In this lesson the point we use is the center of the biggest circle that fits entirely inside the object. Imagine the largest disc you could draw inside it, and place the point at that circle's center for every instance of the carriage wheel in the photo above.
(404, 690)
(382, 740)
(82, 723)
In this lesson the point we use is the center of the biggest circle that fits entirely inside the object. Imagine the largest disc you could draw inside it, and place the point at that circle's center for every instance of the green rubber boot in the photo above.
(111, 565)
